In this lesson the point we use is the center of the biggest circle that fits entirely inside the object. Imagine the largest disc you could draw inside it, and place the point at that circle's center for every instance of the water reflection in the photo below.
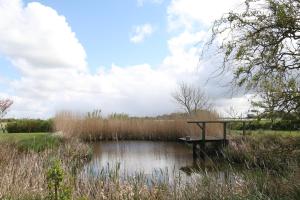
(139, 156)
(161, 160)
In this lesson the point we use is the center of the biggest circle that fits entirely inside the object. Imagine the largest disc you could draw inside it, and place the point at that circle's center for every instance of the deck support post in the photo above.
(224, 133)
(194, 151)
(203, 141)
(244, 130)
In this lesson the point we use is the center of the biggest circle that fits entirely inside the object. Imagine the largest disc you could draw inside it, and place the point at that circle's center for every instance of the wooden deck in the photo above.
(199, 143)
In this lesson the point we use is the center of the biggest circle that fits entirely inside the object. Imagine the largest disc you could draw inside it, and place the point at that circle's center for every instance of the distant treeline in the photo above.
(268, 125)
(28, 125)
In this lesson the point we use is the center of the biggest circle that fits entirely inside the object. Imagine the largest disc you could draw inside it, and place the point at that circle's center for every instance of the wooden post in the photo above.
(194, 150)
(224, 133)
(244, 130)
(202, 144)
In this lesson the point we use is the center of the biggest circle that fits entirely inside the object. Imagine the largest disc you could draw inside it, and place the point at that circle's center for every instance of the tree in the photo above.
(261, 46)
(4, 105)
(279, 99)
(262, 39)
(232, 112)
(191, 98)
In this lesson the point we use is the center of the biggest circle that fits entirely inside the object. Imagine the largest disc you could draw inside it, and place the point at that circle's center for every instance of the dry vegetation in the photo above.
(23, 172)
(24, 176)
(125, 128)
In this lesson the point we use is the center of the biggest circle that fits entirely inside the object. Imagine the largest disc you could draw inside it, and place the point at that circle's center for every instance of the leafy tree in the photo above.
(279, 99)
(260, 44)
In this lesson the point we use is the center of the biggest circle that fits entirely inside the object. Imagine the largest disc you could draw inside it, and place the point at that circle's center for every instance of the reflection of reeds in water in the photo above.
(97, 128)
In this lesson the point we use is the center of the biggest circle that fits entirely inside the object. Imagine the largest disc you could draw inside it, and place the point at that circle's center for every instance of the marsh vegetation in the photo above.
(257, 166)
(91, 127)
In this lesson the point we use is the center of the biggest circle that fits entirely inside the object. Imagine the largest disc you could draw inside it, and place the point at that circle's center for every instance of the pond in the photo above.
(140, 156)
(149, 158)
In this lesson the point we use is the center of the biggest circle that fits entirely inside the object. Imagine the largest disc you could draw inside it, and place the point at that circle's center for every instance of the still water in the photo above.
(139, 156)
(146, 157)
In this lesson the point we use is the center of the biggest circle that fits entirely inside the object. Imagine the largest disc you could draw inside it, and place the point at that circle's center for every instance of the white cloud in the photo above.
(41, 45)
(55, 76)
(142, 2)
(141, 32)
(36, 37)
(191, 14)
(240, 105)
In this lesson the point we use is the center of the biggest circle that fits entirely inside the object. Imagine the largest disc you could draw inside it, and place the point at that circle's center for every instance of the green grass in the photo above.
(31, 141)
(267, 133)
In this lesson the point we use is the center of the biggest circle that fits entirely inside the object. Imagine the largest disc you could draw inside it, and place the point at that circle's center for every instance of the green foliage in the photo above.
(57, 189)
(278, 98)
(289, 125)
(260, 44)
(118, 116)
(29, 126)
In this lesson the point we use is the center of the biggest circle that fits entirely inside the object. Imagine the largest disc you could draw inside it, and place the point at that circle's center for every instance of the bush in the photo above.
(29, 126)
(268, 125)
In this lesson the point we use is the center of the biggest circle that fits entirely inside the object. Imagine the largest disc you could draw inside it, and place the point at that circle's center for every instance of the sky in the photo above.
(118, 56)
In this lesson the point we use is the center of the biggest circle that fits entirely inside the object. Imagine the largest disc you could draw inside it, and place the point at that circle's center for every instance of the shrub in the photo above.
(266, 124)
(29, 126)
(55, 178)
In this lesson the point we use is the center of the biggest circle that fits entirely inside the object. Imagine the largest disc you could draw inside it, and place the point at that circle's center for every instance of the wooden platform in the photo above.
(199, 143)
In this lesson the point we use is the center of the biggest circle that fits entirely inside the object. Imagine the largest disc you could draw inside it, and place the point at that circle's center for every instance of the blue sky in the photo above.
(117, 56)
(104, 28)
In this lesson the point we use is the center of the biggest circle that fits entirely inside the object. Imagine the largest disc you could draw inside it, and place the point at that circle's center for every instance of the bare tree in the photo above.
(191, 98)
(4, 105)
(232, 112)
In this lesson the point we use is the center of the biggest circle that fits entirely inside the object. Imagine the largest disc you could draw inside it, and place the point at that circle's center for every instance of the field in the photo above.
(30, 141)
(32, 164)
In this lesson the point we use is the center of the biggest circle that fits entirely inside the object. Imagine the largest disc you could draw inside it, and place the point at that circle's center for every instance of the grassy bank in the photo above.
(98, 128)
(31, 141)
(268, 169)
(278, 153)
(255, 133)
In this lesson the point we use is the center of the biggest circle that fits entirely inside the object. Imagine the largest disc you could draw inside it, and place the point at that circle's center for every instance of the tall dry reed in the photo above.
(98, 128)
(23, 176)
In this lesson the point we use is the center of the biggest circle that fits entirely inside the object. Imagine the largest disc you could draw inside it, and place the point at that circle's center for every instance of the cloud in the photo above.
(54, 74)
(41, 45)
(36, 37)
(142, 2)
(194, 14)
(141, 32)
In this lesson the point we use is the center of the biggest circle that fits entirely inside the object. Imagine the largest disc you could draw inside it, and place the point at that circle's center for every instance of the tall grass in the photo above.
(24, 176)
(89, 127)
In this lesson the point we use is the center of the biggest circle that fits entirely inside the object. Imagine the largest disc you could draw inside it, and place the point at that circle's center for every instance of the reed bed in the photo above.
(24, 176)
(23, 173)
(113, 128)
